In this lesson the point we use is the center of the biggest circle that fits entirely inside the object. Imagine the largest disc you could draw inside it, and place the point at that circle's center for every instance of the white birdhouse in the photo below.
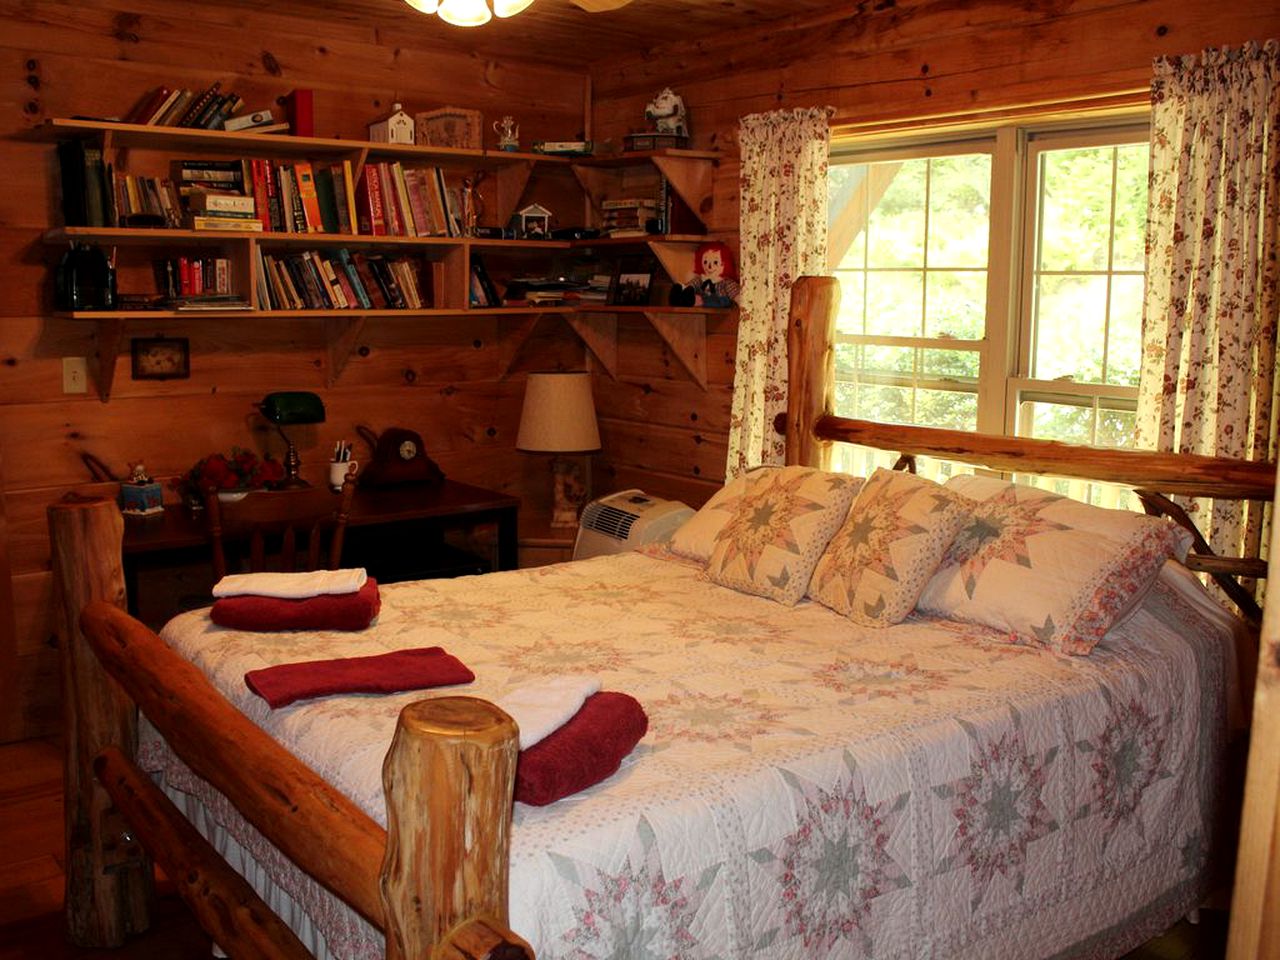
(395, 127)
(535, 222)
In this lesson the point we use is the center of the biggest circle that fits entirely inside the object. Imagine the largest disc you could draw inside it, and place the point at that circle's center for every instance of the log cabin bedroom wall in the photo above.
(875, 63)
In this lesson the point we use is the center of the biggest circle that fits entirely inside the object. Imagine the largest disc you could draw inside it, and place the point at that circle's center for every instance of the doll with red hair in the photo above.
(714, 282)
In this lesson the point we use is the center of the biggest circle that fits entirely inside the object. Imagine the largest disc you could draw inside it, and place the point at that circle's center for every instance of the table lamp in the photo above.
(287, 408)
(559, 417)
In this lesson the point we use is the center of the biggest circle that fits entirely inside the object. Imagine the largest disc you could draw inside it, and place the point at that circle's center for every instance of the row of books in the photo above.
(341, 280)
(193, 276)
(208, 109)
(393, 200)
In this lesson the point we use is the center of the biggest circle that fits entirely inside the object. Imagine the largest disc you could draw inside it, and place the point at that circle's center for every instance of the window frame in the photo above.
(1005, 349)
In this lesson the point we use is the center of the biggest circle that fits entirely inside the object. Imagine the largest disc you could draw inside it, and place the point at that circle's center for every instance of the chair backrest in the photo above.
(310, 515)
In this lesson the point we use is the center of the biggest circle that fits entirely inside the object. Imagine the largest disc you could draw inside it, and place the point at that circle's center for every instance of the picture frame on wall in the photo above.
(632, 280)
(160, 358)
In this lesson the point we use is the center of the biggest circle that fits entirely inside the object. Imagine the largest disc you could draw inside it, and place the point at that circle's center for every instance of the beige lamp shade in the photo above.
(559, 415)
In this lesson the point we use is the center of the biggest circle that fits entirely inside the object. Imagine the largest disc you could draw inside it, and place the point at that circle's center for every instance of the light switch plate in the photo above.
(75, 375)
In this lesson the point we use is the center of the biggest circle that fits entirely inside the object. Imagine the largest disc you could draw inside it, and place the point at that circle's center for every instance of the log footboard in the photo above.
(436, 885)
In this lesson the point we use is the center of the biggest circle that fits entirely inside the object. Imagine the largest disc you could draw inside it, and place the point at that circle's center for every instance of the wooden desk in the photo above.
(178, 536)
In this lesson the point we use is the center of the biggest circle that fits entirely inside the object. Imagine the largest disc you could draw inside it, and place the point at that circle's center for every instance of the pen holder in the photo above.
(339, 470)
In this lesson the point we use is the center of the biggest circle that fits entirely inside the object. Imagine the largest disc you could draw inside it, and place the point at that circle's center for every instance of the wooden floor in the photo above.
(31, 863)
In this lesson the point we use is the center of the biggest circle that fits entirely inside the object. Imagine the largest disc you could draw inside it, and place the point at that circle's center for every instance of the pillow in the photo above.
(777, 527)
(1045, 568)
(696, 538)
(890, 544)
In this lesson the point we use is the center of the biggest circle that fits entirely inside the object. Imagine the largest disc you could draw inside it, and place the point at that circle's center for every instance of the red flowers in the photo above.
(242, 470)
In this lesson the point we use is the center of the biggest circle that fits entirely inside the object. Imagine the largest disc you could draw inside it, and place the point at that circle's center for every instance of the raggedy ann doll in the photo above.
(715, 278)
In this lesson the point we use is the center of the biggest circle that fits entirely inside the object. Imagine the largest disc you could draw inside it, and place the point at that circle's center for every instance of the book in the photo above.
(312, 222)
(327, 199)
(247, 225)
(146, 105)
(221, 204)
(259, 118)
(174, 113)
(377, 296)
(353, 275)
(489, 291)
(349, 187)
(370, 219)
(390, 202)
(299, 110)
(403, 204)
(162, 109)
(339, 175)
(199, 104)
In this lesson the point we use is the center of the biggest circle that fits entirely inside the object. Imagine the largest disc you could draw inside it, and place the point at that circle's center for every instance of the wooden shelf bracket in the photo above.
(341, 335)
(599, 331)
(686, 336)
(691, 179)
(109, 337)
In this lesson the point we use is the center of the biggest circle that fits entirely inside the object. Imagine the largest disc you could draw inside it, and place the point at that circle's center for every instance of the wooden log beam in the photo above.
(449, 779)
(1171, 473)
(313, 824)
(109, 885)
(223, 902)
(811, 390)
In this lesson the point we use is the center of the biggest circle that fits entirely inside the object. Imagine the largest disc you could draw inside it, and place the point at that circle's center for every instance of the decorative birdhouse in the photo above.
(535, 222)
(395, 127)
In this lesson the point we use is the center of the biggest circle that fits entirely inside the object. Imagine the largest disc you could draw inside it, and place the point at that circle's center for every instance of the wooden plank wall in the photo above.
(887, 62)
(441, 377)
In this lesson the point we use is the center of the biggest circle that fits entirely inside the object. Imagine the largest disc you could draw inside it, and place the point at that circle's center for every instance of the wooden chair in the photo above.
(296, 518)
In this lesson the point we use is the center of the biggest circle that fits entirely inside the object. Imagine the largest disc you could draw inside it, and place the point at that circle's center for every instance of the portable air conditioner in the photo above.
(626, 520)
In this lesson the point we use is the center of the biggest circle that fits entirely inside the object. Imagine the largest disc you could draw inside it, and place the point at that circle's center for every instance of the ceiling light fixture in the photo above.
(469, 13)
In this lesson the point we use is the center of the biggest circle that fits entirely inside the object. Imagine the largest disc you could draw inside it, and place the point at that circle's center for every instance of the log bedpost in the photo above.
(449, 778)
(109, 878)
(811, 391)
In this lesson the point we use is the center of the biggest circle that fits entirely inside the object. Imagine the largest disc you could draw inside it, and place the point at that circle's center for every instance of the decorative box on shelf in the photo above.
(450, 127)
(654, 141)
(141, 499)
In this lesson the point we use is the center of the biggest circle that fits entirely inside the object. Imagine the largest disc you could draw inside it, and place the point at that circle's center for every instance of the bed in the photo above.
(808, 787)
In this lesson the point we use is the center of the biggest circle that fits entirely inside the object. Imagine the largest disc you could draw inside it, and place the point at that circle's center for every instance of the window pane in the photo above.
(959, 210)
(895, 234)
(895, 303)
(947, 409)
(1075, 226)
(1132, 162)
(863, 461)
(850, 317)
(1124, 352)
(950, 363)
(1070, 328)
(1057, 421)
(1115, 428)
(956, 305)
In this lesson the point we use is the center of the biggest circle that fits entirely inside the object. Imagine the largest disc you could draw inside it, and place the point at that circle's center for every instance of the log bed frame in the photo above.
(435, 882)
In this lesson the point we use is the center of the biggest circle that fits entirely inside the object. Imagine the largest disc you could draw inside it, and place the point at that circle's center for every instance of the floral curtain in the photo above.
(783, 235)
(1208, 382)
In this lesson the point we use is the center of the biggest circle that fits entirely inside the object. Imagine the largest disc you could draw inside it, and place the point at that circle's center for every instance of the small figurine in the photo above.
(508, 132)
(714, 282)
(138, 473)
(395, 127)
(666, 113)
(472, 203)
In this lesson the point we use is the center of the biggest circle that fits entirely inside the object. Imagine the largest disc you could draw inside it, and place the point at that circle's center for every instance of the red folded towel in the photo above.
(329, 611)
(382, 673)
(587, 749)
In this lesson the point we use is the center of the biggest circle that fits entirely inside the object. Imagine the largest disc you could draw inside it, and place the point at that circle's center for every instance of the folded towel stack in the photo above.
(324, 600)
(394, 672)
(587, 749)
(544, 707)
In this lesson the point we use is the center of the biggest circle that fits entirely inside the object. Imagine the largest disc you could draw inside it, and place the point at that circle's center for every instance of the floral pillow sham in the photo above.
(891, 542)
(1049, 570)
(696, 538)
(776, 526)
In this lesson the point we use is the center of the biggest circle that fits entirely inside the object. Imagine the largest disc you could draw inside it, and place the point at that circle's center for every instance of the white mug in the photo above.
(339, 470)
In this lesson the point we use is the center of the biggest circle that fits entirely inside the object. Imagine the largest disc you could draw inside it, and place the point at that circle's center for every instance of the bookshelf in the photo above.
(446, 259)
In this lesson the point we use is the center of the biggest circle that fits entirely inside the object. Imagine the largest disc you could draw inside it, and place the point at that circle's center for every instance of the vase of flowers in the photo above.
(232, 475)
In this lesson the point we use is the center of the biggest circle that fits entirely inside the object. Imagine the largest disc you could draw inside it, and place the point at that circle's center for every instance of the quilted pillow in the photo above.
(890, 544)
(696, 538)
(1047, 569)
(777, 528)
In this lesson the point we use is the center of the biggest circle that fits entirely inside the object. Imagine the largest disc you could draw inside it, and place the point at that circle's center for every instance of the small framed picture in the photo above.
(631, 281)
(160, 358)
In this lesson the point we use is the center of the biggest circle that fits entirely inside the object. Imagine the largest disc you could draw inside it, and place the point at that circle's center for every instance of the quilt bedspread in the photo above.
(808, 787)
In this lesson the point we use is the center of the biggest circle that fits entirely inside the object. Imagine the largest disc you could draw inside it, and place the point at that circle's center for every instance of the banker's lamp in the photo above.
(559, 417)
(286, 409)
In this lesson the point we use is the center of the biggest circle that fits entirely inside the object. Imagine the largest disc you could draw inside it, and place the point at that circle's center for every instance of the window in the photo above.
(992, 283)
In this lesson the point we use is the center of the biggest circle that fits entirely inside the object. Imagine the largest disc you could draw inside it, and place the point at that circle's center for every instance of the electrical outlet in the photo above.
(75, 375)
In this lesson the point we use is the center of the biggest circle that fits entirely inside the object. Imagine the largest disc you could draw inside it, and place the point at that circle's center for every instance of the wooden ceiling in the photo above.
(556, 31)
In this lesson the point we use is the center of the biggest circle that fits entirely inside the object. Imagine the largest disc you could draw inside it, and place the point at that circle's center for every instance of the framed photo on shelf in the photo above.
(632, 279)
(160, 358)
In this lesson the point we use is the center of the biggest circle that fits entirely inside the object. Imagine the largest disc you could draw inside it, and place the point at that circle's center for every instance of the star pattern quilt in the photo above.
(808, 787)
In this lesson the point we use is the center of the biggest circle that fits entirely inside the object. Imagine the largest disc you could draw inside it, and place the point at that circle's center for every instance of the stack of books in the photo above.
(185, 277)
(628, 218)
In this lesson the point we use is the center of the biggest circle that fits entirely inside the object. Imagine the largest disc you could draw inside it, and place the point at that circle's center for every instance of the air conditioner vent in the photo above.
(610, 521)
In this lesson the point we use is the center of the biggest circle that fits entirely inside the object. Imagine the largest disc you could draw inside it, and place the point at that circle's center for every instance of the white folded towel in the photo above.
(542, 708)
(291, 586)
